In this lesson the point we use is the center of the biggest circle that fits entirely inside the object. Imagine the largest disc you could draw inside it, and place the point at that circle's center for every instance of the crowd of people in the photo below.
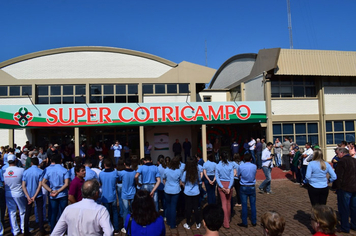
(149, 194)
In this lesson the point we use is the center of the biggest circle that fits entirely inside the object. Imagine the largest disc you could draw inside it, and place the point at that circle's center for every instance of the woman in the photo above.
(171, 179)
(224, 175)
(323, 220)
(316, 175)
(236, 163)
(160, 190)
(120, 167)
(209, 180)
(272, 223)
(144, 220)
(190, 180)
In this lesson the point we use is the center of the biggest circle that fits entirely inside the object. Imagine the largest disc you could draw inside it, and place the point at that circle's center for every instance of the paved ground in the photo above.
(289, 199)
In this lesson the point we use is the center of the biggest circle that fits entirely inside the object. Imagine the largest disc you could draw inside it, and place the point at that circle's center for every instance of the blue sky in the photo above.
(176, 30)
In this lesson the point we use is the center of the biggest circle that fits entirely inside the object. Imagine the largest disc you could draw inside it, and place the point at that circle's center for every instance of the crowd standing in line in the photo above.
(148, 194)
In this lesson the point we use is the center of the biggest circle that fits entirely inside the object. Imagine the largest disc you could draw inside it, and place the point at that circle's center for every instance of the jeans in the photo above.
(267, 182)
(346, 202)
(57, 206)
(171, 203)
(13, 203)
(237, 189)
(149, 188)
(259, 161)
(210, 189)
(39, 206)
(252, 152)
(248, 192)
(126, 205)
(119, 189)
(303, 173)
(114, 216)
(116, 160)
(162, 198)
(278, 160)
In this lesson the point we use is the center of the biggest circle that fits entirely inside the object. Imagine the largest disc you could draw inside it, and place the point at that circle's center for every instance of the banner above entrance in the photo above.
(109, 114)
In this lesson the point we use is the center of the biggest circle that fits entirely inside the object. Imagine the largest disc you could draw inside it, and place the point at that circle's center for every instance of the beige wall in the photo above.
(215, 96)
(340, 100)
(295, 107)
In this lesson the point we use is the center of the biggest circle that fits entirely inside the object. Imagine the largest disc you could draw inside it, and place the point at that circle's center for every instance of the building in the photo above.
(308, 94)
(105, 94)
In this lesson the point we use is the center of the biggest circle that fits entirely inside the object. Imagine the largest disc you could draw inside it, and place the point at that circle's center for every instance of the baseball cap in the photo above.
(11, 157)
(296, 147)
(25, 150)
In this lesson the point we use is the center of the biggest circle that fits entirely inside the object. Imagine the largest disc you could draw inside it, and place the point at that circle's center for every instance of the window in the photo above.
(60, 94)
(289, 86)
(299, 132)
(206, 98)
(16, 91)
(337, 131)
(113, 93)
(339, 81)
(165, 88)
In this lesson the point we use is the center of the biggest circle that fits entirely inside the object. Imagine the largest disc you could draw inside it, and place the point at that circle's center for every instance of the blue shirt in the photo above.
(235, 148)
(191, 189)
(149, 173)
(117, 150)
(108, 179)
(1, 180)
(127, 176)
(89, 174)
(224, 172)
(201, 162)
(71, 173)
(247, 173)
(56, 175)
(5, 158)
(317, 177)
(210, 167)
(157, 228)
(172, 178)
(161, 172)
(235, 166)
(182, 167)
(33, 176)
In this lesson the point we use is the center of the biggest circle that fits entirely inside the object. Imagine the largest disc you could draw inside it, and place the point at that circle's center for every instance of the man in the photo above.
(306, 158)
(58, 178)
(150, 178)
(247, 175)
(117, 150)
(85, 217)
(108, 179)
(209, 147)
(267, 166)
(277, 152)
(258, 151)
(234, 148)
(75, 188)
(177, 148)
(15, 198)
(346, 190)
(285, 154)
(31, 186)
(101, 163)
(252, 146)
(43, 156)
(213, 218)
(127, 150)
(24, 157)
(89, 173)
(186, 147)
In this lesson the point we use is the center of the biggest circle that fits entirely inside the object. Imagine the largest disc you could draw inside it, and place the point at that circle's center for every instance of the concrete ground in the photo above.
(289, 199)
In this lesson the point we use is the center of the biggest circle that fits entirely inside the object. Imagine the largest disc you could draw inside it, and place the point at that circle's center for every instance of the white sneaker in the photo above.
(198, 226)
(186, 226)
(123, 230)
(165, 219)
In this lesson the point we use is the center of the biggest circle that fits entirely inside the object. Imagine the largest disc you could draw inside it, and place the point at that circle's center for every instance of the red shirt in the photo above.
(75, 188)
(322, 234)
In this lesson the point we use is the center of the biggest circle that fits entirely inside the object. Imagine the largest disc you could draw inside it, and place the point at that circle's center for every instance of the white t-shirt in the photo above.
(308, 152)
(252, 144)
(13, 181)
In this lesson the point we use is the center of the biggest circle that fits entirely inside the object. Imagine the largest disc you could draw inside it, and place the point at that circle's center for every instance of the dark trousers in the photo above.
(286, 161)
(346, 202)
(192, 203)
(318, 195)
(2, 205)
(237, 189)
(39, 205)
(210, 189)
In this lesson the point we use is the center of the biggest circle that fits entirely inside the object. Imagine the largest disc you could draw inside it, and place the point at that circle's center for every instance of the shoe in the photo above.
(164, 218)
(198, 226)
(186, 226)
(261, 190)
(270, 192)
(254, 224)
(242, 225)
(123, 230)
(161, 209)
(237, 205)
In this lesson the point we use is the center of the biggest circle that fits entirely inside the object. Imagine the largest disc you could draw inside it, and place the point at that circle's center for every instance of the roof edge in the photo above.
(86, 48)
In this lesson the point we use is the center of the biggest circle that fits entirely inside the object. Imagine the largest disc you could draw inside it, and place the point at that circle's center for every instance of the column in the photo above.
(76, 141)
(268, 92)
(203, 140)
(142, 142)
(11, 138)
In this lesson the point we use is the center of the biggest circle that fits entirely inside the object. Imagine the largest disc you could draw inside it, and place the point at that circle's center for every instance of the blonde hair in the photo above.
(318, 156)
(326, 218)
(273, 222)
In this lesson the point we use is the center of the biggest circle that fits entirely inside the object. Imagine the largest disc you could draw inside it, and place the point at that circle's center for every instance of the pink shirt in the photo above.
(75, 188)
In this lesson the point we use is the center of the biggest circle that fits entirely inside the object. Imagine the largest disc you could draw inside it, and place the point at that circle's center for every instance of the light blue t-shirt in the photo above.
(247, 173)
(161, 172)
(210, 167)
(235, 166)
(317, 177)
(191, 189)
(182, 167)
(33, 176)
(127, 177)
(108, 179)
(56, 175)
(149, 173)
(71, 173)
(90, 174)
(172, 178)
(224, 172)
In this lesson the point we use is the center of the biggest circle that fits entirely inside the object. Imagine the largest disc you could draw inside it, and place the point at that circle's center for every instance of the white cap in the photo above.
(11, 157)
